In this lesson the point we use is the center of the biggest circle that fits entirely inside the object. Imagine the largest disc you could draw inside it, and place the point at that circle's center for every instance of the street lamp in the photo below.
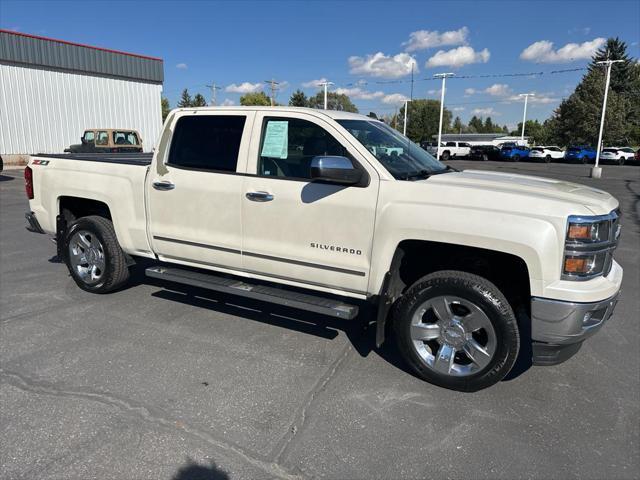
(325, 84)
(443, 76)
(406, 106)
(524, 115)
(596, 171)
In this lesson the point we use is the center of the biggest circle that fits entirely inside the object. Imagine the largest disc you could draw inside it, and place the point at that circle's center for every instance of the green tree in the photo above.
(259, 99)
(476, 125)
(335, 101)
(185, 100)
(198, 101)
(423, 118)
(298, 99)
(458, 126)
(536, 131)
(165, 106)
(577, 119)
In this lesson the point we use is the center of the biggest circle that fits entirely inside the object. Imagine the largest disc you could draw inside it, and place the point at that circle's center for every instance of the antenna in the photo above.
(274, 88)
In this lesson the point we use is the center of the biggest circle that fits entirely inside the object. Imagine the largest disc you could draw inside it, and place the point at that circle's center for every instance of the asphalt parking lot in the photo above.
(157, 382)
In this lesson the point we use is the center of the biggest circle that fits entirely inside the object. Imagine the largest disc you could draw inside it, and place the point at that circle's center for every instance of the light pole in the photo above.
(596, 171)
(325, 84)
(524, 115)
(443, 76)
(406, 106)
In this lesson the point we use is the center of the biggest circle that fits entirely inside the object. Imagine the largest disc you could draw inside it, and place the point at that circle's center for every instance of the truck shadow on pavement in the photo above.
(360, 332)
(193, 471)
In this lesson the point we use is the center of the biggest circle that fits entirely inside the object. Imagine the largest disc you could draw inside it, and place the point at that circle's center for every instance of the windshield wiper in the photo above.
(424, 174)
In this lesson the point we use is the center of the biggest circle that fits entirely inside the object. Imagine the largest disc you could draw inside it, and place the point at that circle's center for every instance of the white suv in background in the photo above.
(617, 154)
(547, 153)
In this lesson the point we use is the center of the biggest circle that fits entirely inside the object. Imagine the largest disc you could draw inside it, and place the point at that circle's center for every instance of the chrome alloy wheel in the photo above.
(453, 336)
(86, 256)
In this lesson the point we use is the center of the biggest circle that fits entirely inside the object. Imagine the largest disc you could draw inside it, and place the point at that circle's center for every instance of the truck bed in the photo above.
(142, 159)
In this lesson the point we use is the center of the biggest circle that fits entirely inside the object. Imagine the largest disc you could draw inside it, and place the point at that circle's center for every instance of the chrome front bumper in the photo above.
(563, 323)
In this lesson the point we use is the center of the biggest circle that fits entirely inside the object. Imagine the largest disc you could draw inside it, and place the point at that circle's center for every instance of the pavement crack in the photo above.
(300, 418)
(146, 413)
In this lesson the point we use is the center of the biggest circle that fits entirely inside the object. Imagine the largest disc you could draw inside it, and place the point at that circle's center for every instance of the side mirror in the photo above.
(82, 140)
(335, 169)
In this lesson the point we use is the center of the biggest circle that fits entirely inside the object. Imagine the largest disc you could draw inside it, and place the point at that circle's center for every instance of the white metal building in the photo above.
(52, 90)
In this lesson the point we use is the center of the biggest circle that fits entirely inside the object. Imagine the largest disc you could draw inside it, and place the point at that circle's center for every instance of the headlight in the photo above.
(589, 246)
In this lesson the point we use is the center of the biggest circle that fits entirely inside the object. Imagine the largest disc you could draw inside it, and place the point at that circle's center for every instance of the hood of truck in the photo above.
(541, 189)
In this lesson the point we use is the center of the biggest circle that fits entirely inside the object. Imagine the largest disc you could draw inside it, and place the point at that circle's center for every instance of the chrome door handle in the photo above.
(163, 185)
(259, 196)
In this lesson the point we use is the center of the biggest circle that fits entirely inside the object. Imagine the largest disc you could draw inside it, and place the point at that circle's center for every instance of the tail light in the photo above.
(28, 182)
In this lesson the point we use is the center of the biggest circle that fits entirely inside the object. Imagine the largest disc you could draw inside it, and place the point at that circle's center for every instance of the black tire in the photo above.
(621, 161)
(547, 159)
(115, 272)
(483, 294)
(446, 155)
(585, 160)
(516, 158)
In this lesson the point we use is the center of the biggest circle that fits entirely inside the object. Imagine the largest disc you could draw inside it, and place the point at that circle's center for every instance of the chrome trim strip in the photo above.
(280, 277)
(262, 256)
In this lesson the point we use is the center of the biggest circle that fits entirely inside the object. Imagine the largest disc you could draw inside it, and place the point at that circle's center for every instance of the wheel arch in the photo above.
(509, 272)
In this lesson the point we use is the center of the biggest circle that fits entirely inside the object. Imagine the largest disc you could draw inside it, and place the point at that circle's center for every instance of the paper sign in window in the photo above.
(276, 140)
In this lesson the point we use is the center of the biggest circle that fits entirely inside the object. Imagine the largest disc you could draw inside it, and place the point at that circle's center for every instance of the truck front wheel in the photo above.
(94, 257)
(457, 330)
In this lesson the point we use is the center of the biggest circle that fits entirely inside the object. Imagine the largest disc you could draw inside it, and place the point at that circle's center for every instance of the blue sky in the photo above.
(365, 48)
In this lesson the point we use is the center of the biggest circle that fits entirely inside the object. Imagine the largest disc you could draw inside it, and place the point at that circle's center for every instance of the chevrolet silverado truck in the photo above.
(307, 208)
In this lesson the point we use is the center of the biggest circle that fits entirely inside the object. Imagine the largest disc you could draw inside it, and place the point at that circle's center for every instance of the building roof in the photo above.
(475, 137)
(49, 53)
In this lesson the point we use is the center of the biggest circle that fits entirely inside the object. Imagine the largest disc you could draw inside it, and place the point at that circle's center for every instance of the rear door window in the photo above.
(207, 142)
(125, 138)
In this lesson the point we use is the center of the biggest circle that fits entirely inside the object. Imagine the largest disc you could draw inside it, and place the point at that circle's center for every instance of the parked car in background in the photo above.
(514, 152)
(485, 152)
(546, 153)
(1, 164)
(617, 154)
(454, 150)
(584, 154)
(108, 140)
(429, 146)
(638, 155)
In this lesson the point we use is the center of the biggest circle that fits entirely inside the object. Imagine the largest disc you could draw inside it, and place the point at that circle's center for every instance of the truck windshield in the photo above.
(400, 156)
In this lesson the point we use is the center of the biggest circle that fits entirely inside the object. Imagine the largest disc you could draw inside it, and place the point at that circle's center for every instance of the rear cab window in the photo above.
(207, 142)
(125, 138)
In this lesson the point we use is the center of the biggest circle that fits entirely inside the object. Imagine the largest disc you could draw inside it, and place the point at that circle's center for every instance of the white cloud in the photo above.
(434, 92)
(583, 30)
(244, 87)
(469, 91)
(381, 65)
(458, 109)
(227, 102)
(182, 66)
(395, 99)
(457, 57)
(538, 98)
(485, 111)
(498, 90)
(314, 83)
(543, 52)
(358, 93)
(423, 39)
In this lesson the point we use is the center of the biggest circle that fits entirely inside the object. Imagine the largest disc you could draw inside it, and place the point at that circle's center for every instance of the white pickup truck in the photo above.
(292, 206)
(449, 150)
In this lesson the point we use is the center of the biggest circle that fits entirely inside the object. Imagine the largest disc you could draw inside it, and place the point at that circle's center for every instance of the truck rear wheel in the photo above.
(445, 156)
(457, 330)
(93, 256)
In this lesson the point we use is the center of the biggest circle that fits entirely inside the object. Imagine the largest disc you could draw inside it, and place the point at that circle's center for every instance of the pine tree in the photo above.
(165, 106)
(298, 99)
(185, 100)
(615, 49)
(457, 127)
(199, 101)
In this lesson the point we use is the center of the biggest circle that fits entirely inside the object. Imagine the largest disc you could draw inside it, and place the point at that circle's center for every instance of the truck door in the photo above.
(194, 192)
(296, 230)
